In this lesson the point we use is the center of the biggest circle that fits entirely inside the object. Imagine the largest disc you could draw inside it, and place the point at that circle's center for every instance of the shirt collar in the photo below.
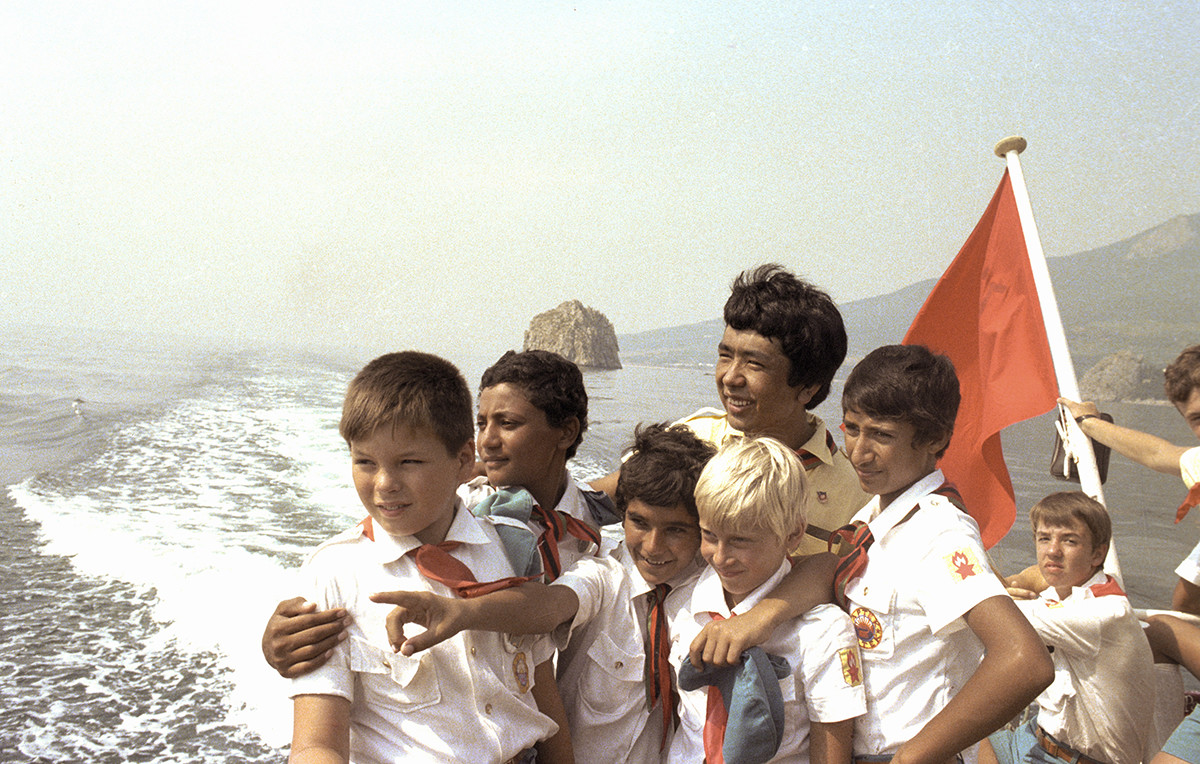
(818, 444)
(387, 548)
(1084, 590)
(711, 595)
(884, 520)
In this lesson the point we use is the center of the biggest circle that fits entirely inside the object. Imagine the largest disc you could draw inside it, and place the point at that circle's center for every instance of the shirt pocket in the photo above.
(616, 679)
(872, 614)
(411, 683)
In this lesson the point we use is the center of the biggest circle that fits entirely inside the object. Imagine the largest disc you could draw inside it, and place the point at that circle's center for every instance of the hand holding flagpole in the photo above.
(1078, 446)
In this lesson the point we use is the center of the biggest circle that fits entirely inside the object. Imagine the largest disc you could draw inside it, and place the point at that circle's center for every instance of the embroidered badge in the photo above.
(822, 497)
(521, 672)
(851, 666)
(962, 564)
(867, 628)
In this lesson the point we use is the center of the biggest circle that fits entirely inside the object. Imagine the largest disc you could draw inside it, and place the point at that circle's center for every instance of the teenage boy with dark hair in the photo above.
(477, 697)
(784, 340)
(1182, 385)
(533, 412)
(925, 605)
(1101, 704)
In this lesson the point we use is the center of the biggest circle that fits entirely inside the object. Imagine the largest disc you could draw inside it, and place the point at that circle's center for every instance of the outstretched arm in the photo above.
(1015, 668)
(298, 639)
(808, 584)
(532, 608)
(1145, 449)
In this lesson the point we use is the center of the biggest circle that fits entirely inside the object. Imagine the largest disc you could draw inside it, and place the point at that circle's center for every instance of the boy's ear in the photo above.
(937, 445)
(805, 394)
(466, 460)
(793, 539)
(1098, 555)
(570, 431)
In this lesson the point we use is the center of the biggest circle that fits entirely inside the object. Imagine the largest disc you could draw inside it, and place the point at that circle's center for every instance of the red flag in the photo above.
(984, 314)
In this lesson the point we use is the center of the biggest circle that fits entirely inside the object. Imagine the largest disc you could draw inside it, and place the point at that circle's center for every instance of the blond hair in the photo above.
(753, 483)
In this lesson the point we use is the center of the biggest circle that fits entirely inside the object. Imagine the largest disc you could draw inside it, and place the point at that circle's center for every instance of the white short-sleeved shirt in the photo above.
(922, 576)
(1189, 468)
(1101, 701)
(826, 680)
(602, 663)
(467, 699)
(835, 493)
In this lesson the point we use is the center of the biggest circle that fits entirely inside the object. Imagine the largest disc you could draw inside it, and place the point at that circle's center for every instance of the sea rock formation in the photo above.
(1121, 376)
(576, 332)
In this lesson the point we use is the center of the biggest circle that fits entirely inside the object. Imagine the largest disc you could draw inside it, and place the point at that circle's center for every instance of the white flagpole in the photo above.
(1077, 445)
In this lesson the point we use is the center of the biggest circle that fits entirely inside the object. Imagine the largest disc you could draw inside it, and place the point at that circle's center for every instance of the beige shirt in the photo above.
(835, 494)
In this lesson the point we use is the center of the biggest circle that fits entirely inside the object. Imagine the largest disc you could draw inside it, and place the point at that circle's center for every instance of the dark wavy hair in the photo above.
(776, 304)
(551, 383)
(410, 388)
(906, 383)
(1183, 375)
(663, 465)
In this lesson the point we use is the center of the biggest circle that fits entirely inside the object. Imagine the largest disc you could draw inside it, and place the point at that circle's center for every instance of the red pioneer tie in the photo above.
(1192, 500)
(557, 524)
(434, 562)
(658, 664)
(716, 716)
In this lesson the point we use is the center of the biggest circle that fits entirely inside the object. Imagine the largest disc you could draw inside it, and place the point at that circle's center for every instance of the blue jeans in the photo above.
(1020, 746)
(1184, 742)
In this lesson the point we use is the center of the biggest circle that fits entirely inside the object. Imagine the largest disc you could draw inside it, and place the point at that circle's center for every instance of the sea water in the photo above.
(158, 496)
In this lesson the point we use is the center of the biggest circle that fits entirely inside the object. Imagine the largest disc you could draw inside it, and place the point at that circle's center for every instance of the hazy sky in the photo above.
(431, 174)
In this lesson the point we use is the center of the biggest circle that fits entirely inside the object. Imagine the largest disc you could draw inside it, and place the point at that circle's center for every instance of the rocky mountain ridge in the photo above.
(1130, 297)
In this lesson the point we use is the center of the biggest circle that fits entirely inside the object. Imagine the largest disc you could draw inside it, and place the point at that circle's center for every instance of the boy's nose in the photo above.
(487, 435)
(652, 540)
(732, 376)
(387, 481)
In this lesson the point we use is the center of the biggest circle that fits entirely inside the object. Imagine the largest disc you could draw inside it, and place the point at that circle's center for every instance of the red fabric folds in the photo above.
(984, 314)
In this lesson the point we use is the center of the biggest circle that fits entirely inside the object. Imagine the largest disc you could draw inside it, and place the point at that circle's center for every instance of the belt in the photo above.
(1061, 750)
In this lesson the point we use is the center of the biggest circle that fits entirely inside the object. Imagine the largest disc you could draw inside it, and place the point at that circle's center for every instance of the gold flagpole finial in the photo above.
(1011, 143)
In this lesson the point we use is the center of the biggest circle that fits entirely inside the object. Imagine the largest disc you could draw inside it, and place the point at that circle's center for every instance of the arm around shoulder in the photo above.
(808, 584)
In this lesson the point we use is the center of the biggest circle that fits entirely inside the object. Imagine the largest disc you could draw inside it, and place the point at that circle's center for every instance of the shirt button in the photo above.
(472, 651)
(487, 709)
(619, 664)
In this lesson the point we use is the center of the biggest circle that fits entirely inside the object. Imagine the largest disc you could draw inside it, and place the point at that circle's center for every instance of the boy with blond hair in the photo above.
(473, 698)
(751, 499)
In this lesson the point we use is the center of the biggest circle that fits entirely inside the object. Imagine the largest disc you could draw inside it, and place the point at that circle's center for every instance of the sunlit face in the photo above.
(1190, 410)
(1066, 555)
(516, 443)
(752, 381)
(884, 455)
(743, 559)
(662, 540)
(406, 480)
